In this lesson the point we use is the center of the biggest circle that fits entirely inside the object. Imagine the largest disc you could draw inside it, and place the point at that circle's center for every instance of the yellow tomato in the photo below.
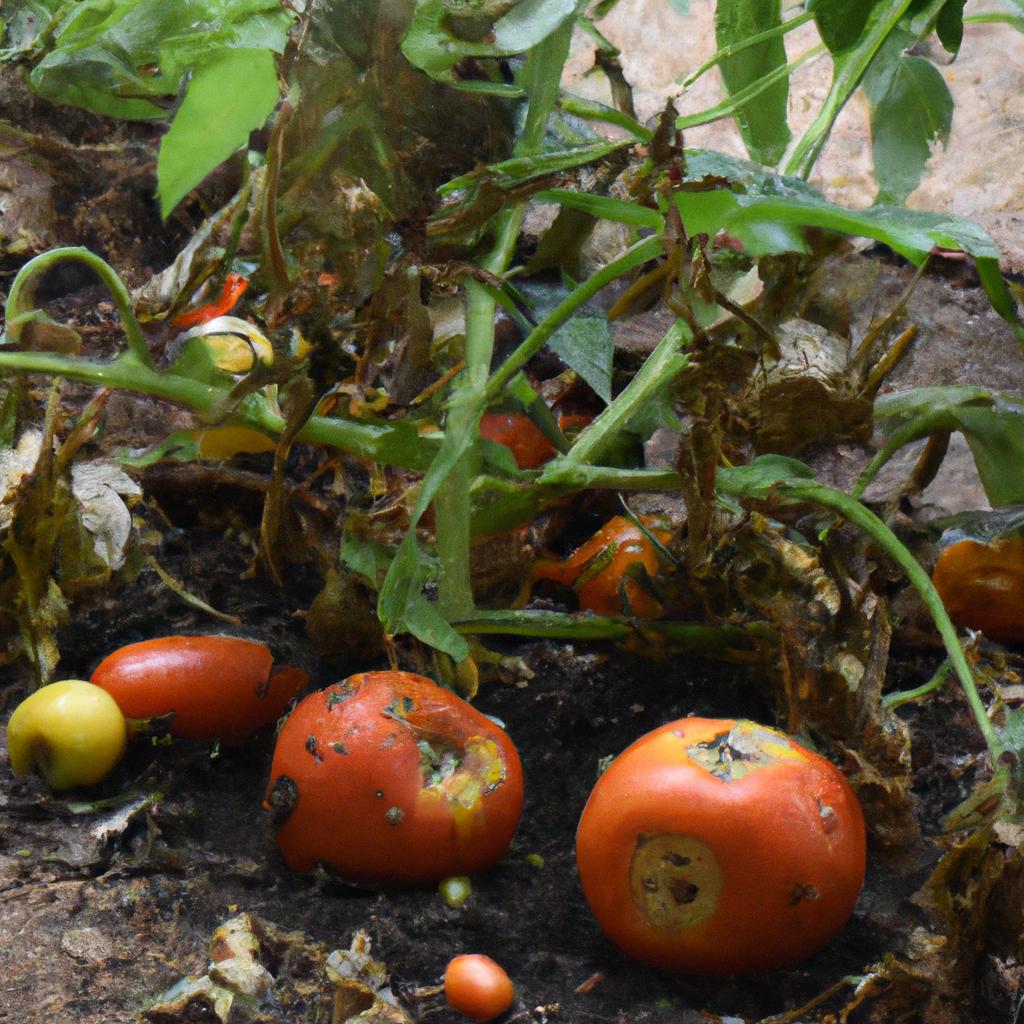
(71, 732)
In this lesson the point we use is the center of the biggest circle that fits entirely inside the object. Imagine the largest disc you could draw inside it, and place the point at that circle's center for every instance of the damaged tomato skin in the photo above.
(981, 583)
(352, 755)
(778, 854)
(599, 569)
(218, 687)
(71, 732)
(478, 987)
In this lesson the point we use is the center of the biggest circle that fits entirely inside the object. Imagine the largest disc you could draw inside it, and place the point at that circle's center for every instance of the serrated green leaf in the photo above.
(911, 110)
(585, 345)
(226, 100)
(762, 121)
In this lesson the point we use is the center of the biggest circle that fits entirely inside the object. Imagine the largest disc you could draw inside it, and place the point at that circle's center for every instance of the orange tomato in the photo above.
(218, 687)
(721, 847)
(518, 433)
(600, 569)
(388, 777)
(982, 585)
(478, 987)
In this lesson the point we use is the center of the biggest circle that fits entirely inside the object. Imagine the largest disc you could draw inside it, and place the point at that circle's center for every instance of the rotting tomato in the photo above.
(231, 292)
(478, 987)
(218, 687)
(607, 571)
(981, 583)
(722, 847)
(387, 777)
(71, 732)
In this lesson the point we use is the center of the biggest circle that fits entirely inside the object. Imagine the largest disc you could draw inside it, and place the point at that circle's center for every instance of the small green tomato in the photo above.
(71, 732)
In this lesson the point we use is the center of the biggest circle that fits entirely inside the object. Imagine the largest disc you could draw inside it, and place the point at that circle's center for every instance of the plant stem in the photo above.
(637, 254)
(849, 70)
(661, 366)
(21, 299)
(891, 701)
(452, 505)
(383, 443)
(735, 642)
(861, 516)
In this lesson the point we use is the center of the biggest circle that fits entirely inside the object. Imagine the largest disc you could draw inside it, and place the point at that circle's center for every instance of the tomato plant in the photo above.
(610, 572)
(218, 687)
(71, 732)
(478, 987)
(721, 846)
(388, 777)
(981, 583)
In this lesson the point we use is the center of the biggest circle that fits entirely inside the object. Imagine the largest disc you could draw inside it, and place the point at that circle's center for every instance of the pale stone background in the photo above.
(980, 175)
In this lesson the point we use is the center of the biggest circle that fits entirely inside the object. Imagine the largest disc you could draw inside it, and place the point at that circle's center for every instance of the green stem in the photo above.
(453, 506)
(21, 299)
(742, 642)
(382, 443)
(731, 51)
(860, 516)
(663, 364)
(637, 254)
(849, 70)
(891, 701)
(738, 99)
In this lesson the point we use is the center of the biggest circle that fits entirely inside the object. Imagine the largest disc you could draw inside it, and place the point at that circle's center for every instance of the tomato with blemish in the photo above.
(981, 583)
(388, 777)
(721, 846)
(478, 987)
(217, 687)
(610, 572)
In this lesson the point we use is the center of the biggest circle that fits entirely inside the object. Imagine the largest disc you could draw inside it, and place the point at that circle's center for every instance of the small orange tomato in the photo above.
(478, 987)
(218, 687)
(388, 777)
(982, 585)
(517, 432)
(601, 570)
(721, 847)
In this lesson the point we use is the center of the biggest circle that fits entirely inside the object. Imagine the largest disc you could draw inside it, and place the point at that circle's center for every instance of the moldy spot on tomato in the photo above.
(394, 815)
(339, 748)
(675, 880)
(311, 749)
(281, 800)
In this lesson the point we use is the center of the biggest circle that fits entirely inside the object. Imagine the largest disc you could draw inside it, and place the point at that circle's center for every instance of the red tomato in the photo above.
(982, 586)
(234, 286)
(478, 987)
(219, 687)
(599, 570)
(721, 847)
(388, 777)
(520, 435)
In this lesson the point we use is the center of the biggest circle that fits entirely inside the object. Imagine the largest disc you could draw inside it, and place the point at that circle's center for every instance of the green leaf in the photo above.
(993, 425)
(585, 345)
(763, 476)
(366, 557)
(114, 56)
(226, 100)
(432, 46)
(840, 23)
(605, 207)
(950, 25)
(762, 122)
(25, 25)
(911, 109)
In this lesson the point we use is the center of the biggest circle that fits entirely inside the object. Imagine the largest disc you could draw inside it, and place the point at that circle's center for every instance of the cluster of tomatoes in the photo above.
(716, 846)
